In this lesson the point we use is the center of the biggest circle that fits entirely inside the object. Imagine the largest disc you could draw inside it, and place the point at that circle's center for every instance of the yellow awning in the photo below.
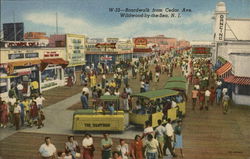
(7, 76)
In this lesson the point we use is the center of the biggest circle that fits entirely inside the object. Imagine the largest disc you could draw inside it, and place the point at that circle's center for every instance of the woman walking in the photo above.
(72, 147)
(137, 148)
(88, 147)
(178, 137)
(4, 114)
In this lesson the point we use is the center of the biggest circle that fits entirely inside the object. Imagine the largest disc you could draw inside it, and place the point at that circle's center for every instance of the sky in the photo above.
(93, 19)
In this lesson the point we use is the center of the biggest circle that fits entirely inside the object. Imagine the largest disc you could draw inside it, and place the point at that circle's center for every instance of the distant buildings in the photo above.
(50, 60)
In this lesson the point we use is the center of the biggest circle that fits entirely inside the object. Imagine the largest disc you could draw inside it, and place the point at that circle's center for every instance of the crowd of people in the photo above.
(20, 112)
(118, 84)
(208, 89)
(151, 145)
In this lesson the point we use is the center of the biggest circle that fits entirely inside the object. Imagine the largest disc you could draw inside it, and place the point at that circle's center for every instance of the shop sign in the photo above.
(15, 56)
(22, 55)
(106, 58)
(140, 42)
(23, 44)
(31, 55)
(106, 45)
(200, 50)
(51, 54)
(221, 27)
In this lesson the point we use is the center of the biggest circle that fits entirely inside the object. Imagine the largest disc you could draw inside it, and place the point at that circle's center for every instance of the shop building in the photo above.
(75, 51)
(163, 43)
(38, 37)
(202, 48)
(108, 52)
(27, 64)
(142, 48)
(232, 53)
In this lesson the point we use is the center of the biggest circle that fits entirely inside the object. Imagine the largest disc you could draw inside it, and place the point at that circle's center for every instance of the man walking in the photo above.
(84, 100)
(225, 103)
(47, 150)
(169, 138)
(17, 111)
(159, 133)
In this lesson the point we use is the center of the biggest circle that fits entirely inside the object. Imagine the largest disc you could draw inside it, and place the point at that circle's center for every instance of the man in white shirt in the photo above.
(16, 112)
(142, 86)
(224, 91)
(169, 138)
(123, 148)
(86, 90)
(159, 133)
(151, 147)
(12, 100)
(173, 104)
(148, 129)
(47, 150)
(20, 90)
(219, 83)
(207, 97)
(39, 101)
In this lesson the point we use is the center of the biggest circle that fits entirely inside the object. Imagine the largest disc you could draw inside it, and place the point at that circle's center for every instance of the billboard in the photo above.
(201, 50)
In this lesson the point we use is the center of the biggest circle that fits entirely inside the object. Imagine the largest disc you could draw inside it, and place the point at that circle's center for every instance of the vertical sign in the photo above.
(220, 27)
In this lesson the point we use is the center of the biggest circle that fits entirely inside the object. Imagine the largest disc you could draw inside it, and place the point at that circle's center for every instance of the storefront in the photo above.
(104, 58)
(52, 73)
(25, 65)
(240, 89)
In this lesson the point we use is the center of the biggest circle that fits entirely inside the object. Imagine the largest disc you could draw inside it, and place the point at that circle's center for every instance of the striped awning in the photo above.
(238, 80)
(224, 69)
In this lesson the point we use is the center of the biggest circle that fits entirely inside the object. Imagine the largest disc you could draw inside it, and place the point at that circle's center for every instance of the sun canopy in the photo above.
(152, 95)
(109, 98)
(177, 79)
(176, 85)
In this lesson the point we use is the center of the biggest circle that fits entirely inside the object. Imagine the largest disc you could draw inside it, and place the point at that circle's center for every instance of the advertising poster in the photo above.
(124, 79)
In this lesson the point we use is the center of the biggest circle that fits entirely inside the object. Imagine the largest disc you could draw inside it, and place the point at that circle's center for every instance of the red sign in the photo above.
(148, 50)
(106, 45)
(108, 58)
(51, 54)
(200, 50)
(141, 41)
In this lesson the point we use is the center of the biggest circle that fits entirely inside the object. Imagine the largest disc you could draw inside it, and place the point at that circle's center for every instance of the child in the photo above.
(40, 119)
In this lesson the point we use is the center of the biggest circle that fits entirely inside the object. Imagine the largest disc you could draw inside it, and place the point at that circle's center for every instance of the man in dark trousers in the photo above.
(84, 100)
(169, 136)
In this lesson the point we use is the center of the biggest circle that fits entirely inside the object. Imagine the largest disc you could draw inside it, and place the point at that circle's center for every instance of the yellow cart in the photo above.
(91, 120)
(140, 119)
(99, 120)
(178, 84)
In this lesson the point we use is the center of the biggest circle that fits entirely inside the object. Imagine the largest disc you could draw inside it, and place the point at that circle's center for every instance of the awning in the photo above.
(56, 61)
(177, 79)
(11, 65)
(238, 80)
(152, 95)
(224, 69)
(176, 85)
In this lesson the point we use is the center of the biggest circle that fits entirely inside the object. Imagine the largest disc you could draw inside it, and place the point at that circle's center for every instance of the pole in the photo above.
(56, 24)
(14, 22)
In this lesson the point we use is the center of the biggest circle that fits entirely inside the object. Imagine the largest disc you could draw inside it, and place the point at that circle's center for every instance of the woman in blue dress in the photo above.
(178, 137)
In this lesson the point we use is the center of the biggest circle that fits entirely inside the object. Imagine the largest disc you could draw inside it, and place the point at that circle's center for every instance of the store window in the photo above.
(69, 71)
(244, 90)
(51, 75)
(3, 85)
